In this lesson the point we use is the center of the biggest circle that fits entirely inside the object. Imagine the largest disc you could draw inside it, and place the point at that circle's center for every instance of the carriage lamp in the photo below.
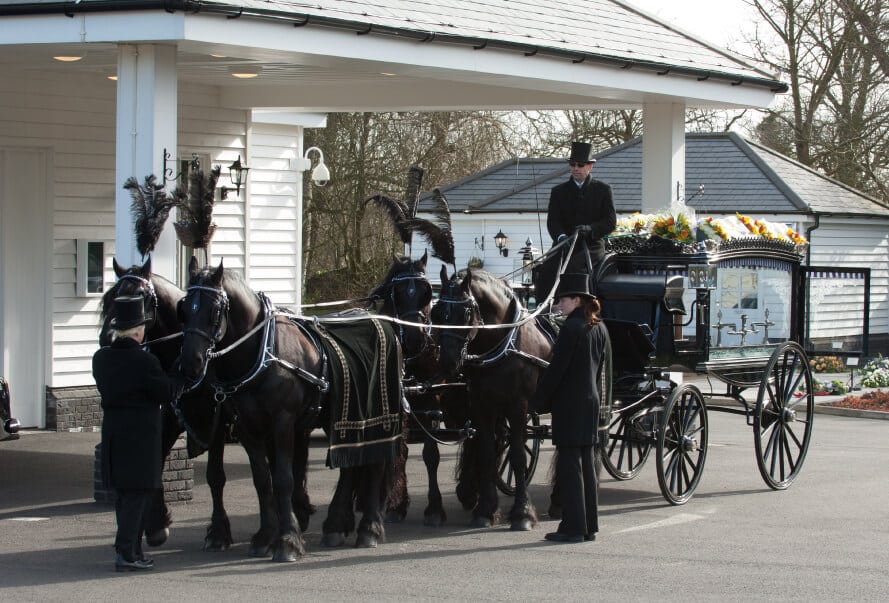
(527, 259)
(238, 174)
(501, 240)
(321, 174)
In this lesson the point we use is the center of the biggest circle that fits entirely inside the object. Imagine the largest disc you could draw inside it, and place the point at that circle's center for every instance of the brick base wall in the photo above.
(178, 476)
(73, 408)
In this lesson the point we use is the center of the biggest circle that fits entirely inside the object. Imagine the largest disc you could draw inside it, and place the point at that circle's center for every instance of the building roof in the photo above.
(737, 176)
(609, 32)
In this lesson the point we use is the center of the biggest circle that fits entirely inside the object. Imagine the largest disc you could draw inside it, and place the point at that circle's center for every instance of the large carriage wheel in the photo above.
(682, 444)
(785, 407)
(505, 475)
(626, 448)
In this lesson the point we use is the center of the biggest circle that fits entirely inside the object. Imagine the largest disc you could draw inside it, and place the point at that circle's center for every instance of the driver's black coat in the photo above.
(568, 388)
(133, 386)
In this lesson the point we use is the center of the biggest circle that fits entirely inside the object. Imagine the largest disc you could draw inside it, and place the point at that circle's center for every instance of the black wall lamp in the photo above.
(501, 240)
(238, 174)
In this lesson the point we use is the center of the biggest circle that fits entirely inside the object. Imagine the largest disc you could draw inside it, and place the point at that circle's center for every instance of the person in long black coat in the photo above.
(580, 205)
(133, 386)
(569, 390)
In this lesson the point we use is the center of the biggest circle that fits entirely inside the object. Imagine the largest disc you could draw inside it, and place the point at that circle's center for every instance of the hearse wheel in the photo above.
(628, 445)
(682, 444)
(782, 424)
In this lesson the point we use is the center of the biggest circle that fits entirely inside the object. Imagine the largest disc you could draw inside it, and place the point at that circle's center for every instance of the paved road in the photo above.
(824, 539)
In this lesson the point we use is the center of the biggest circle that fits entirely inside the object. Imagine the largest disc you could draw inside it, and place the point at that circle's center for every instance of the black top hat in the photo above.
(129, 312)
(574, 284)
(581, 151)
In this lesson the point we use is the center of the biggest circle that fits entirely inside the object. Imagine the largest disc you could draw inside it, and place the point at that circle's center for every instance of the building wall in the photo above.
(75, 119)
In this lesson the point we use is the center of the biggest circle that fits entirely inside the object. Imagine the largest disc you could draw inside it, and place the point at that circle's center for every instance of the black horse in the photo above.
(206, 421)
(406, 294)
(275, 370)
(501, 366)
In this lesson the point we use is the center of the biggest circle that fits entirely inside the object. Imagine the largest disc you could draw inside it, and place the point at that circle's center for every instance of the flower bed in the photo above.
(876, 400)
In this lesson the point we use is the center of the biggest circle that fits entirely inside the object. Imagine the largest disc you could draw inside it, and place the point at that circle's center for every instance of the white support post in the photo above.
(146, 125)
(663, 155)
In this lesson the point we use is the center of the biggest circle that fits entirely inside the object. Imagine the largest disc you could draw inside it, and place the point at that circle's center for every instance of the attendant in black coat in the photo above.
(580, 205)
(133, 387)
(569, 390)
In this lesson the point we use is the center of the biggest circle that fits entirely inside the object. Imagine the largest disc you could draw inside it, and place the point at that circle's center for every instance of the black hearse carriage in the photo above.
(736, 310)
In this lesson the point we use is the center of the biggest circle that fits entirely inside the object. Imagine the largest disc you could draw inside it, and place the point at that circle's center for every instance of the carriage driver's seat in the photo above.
(651, 301)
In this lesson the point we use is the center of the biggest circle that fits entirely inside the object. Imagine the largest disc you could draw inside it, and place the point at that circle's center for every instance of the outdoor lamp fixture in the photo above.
(238, 175)
(527, 260)
(320, 175)
(168, 171)
(500, 240)
(245, 72)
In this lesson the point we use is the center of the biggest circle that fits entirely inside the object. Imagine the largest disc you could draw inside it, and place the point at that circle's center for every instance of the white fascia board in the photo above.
(137, 26)
(287, 117)
(374, 53)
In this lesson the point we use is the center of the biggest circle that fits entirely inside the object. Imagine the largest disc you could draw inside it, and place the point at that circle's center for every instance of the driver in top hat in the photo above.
(582, 204)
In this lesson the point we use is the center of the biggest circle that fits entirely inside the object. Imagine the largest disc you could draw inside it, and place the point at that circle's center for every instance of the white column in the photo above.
(146, 125)
(663, 155)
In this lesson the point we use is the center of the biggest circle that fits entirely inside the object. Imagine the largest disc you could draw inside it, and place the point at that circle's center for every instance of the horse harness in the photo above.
(423, 322)
(223, 390)
(472, 315)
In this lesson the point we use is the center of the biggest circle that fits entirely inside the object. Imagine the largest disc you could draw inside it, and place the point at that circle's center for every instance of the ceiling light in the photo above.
(112, 77)
(217, 56)
(69, 58)
(386, 73)
(245, 71)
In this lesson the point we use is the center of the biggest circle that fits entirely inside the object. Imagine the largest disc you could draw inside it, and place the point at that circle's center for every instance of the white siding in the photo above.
(75, 119)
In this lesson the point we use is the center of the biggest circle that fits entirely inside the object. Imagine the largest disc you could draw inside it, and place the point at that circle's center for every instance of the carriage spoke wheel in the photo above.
(626, 447)
(682, 444)
(505, 475)
(782, 424)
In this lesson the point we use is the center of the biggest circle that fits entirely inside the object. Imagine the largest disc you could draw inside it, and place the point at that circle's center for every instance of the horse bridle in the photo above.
(423, 323)
(471, 315)
(218, 325)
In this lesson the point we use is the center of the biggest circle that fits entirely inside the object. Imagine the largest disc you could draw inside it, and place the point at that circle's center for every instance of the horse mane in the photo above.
(400, 265)
(484, 281)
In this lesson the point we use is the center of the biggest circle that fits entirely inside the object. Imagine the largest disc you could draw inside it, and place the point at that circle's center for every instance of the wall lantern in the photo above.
(501, 241)
(238, 175)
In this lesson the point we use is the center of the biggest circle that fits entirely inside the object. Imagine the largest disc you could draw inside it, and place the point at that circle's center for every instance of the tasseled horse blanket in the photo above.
(365, 397)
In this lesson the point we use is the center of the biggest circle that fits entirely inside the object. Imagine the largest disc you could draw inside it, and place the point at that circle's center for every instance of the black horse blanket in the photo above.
(365, 396)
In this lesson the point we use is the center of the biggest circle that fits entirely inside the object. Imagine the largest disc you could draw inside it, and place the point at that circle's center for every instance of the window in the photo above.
(90, 280)
(740, 290)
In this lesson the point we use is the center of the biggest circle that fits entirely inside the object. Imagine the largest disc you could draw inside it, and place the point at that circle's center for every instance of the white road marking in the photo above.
(27, 519)
(678, 519)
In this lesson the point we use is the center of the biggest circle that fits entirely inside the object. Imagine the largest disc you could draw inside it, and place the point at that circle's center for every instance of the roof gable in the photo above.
(737, 175)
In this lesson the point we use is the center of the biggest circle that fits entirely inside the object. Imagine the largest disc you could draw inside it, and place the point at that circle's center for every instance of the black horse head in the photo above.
(159, 297)
(407, 295)
(456, 307)
(204, 313)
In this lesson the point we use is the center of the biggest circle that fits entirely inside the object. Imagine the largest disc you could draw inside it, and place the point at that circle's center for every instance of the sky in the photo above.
(716, 21)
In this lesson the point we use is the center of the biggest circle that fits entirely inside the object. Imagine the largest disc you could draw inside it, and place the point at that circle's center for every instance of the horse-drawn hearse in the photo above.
(463, 367)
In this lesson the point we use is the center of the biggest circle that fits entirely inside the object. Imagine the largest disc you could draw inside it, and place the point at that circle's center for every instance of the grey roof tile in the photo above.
(737, 175)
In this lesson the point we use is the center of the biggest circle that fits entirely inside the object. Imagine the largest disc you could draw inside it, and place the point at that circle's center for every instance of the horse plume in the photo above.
(402, 212)
(150, 208)
(195, 226)
(438, 232)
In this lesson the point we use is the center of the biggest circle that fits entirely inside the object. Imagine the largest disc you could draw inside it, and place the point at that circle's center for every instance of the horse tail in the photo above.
(397, 500)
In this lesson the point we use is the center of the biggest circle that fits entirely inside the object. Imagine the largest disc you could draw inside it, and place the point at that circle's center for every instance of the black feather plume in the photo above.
(414, 187)
(397, 212)
(150, 208)
(195, 225)
(440, 239)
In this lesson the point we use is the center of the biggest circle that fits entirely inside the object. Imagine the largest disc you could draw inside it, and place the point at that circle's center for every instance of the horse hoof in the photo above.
(521, 525)
(259, 551)
(157, 538)
(216, 546)
(333, 539)
(287, 555)
(366, 541)
(481, 522)
(394, 517)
